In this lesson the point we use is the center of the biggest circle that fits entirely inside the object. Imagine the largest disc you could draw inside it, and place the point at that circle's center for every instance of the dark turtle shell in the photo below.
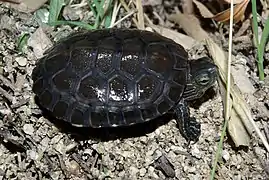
(111, 77)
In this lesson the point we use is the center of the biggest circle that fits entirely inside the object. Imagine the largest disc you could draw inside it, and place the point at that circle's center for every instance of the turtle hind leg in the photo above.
(188, 126)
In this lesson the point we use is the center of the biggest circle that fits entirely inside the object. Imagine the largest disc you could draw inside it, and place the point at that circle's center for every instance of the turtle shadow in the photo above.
(106, 133)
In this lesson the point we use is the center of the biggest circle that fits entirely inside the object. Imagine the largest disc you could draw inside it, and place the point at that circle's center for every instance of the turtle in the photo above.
(109, 78)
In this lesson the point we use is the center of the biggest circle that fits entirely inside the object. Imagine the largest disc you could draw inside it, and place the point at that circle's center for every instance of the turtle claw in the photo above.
(188, 126)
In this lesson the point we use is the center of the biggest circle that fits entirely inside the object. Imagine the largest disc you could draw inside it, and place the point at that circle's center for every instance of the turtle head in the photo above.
(203, 75)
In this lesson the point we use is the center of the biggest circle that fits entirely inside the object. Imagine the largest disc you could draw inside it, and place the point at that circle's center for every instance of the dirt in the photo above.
(33, 146)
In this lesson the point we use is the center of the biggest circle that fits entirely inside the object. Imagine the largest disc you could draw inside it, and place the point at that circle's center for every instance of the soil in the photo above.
(35, 146)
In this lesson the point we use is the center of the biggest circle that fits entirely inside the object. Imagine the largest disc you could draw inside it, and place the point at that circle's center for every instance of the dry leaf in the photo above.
(190, 25)
(186, 41)
(239, 11)
(203, 10)
(40, 42)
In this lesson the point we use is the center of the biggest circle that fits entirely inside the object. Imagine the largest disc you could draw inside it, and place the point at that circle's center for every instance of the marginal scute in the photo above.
(163, 107)
(46, 98)
(149, 112)
(99, 119)
(115, 118)
(60, 109)
(132, 116)
(57, 62)
(77, 117)
(38, 86)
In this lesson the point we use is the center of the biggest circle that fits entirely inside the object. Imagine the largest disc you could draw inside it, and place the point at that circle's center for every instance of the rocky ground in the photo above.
(35, 147)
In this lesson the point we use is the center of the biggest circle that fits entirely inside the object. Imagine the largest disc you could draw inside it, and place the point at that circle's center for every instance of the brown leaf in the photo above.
(186, 41)
(203, 9)
(239, 10)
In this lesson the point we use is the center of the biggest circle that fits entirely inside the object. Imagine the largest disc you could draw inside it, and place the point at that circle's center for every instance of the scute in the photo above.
(159, 59)
(119, 90)
(64, 80)
(104, 63)
(82, 59)
(111, 77)
(146, 88)
(91, 89)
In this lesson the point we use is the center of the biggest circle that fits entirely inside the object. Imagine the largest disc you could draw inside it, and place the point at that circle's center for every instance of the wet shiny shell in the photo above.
(111, 77)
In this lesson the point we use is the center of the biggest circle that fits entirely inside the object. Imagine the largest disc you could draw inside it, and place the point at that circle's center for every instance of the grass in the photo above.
(22, 42)
(102, 15)
(259, 43)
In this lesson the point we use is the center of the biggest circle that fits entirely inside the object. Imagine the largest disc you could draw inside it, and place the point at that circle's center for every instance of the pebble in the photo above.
(142, 172)
(196, 152)
(225, 155)
(28, 129)
(152, 173)
(73, 167)
(133, 171)
(21, 61)
(32, 154)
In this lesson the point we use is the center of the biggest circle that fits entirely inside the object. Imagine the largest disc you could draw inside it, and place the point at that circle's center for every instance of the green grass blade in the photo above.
(264, 38)
(92, 8)
(55, 9)
(260, 49)
(255, 21)
(22, 41)
(108, 14)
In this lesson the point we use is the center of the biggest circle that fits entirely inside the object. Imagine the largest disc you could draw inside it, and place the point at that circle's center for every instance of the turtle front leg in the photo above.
(188, 126)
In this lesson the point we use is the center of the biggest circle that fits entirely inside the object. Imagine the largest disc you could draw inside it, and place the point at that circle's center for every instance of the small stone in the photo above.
(196, 152)
(142, 172)
(225, 155)
(28, 129)
(191, 169)
(163, 164)
(133, 171)
(95, 172)
(88, 151)
(152, 173)
(32, 154)
(55, 174)
(73, 167)
(45, 142)
(21, 61)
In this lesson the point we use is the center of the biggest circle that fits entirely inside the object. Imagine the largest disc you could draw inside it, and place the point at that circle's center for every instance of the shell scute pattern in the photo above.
(111, 77)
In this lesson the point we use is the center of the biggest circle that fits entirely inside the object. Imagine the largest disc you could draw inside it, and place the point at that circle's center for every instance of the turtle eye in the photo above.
(203, 79)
